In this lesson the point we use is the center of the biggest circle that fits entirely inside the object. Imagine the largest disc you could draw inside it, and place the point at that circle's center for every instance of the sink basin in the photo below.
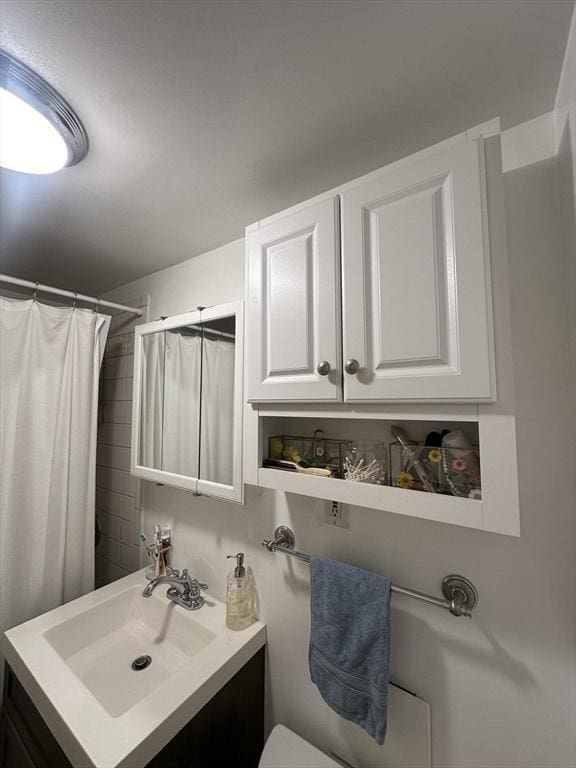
(100, 646)
(75, 663)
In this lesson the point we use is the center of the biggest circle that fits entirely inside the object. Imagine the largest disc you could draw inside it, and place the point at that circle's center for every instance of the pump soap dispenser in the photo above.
(239, 596)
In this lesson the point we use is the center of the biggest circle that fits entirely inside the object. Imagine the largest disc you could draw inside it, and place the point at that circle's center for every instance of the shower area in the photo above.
(59, 375)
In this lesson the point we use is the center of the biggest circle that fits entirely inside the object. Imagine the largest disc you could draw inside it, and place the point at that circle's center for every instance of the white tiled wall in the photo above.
(118, 552)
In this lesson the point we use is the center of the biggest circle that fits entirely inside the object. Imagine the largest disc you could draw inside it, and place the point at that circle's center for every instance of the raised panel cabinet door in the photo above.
(417, 316)
(293, 334)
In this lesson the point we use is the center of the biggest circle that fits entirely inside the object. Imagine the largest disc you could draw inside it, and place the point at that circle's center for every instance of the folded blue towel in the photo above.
(349, 652)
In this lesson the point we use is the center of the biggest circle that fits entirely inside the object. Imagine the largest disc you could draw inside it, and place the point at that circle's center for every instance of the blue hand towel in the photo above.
(349, 652)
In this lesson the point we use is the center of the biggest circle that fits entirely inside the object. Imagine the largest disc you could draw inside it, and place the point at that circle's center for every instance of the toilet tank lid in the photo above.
(285, 749)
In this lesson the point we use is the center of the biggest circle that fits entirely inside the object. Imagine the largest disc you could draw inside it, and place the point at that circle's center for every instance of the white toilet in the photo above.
(285, 749)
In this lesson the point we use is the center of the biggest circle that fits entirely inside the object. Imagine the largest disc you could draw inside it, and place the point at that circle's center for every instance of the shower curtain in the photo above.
(49, 368)
(181, 398)
(217, 410)
(152, 400)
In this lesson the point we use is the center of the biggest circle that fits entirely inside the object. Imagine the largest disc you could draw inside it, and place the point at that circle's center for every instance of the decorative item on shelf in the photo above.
(308, 453)
(449, 465)
(366, 462)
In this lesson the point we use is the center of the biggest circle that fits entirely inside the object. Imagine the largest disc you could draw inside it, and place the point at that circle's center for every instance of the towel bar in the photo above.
(460, 594)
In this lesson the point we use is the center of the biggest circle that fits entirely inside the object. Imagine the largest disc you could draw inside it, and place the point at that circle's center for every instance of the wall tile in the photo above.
(119, 345)
(103, 477)
(123, 323)
(114, 389)
(103, 499)
(118, 552)
(125, 460)
(107, 412)
(116, 434)
(114, 411)
(109, 572)
(129, 508)
(112, 456)
(115, 504)
(129, 365)
(116, 480)
(125, 557)
(111, 525)
(109, 549)
(127, 532)
(104, 455)
(114, 367)
(100, 568)
(129, 484)
(105, 433)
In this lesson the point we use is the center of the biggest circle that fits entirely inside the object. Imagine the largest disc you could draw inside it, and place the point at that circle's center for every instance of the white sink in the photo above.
(100, 645)
(76, 664)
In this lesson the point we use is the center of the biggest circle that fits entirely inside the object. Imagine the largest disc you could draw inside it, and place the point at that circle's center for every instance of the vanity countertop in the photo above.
(75, 664)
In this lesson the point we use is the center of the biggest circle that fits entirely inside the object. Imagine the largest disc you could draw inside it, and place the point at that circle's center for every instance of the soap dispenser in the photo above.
(239, 596)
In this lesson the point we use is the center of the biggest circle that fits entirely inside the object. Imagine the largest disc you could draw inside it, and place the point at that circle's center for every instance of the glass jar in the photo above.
(367, 462)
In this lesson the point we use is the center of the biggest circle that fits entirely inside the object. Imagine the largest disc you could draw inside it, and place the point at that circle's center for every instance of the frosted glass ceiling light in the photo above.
(39, 132)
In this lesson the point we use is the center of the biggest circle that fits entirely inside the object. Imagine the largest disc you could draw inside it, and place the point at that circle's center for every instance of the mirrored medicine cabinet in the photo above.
(187, 408)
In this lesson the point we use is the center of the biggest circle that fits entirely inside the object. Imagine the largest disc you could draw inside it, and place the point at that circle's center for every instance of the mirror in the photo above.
(188, 408)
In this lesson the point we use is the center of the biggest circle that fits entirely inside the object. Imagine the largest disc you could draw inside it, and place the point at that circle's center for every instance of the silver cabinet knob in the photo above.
(323, 368)
(352, 366)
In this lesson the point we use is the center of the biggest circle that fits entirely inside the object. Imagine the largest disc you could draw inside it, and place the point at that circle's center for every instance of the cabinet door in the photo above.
(416, 281)
(293, 334)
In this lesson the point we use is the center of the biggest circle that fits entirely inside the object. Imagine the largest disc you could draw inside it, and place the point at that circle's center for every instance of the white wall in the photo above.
(501, 687)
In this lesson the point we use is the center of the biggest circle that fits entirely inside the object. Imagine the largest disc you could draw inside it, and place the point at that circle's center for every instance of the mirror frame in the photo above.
(234, 492)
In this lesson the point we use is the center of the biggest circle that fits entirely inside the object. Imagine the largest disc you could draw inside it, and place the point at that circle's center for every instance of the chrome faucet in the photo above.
(185, 591)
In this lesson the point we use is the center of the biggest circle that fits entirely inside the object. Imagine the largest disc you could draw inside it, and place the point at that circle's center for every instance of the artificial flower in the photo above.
(404, 480)
(435, 455)
(292, 454)
(459, 465)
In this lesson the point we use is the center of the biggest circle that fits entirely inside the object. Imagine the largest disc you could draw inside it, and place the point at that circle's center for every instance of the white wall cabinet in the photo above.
(294, 314)
(423, 291)
(416, 281)
(415, 295)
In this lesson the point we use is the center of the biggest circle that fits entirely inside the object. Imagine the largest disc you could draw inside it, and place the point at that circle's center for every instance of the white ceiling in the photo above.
(206, 116)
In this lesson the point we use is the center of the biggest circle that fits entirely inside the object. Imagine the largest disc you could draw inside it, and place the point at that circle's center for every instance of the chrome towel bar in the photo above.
(460, 594)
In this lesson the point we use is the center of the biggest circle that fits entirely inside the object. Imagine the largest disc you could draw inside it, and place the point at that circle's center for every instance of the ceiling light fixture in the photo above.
(39, 130)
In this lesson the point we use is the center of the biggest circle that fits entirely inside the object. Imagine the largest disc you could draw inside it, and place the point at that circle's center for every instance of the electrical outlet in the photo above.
(336, 514)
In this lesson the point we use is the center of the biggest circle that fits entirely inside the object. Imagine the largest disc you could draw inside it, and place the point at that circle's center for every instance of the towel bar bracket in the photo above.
(460, 594)
(283, 537)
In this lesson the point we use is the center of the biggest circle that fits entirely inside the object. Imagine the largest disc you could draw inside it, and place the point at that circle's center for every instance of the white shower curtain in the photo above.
(152, 400)
(181, 403)
(217, 410)
(49, 368)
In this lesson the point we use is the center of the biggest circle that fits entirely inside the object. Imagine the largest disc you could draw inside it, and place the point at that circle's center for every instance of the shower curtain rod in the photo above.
(69, 294)
(200, 329)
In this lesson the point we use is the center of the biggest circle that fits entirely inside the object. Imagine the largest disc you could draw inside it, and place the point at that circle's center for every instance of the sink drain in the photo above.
(141, 662)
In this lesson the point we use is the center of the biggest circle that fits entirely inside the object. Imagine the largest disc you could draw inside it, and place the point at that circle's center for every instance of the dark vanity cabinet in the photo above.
(228, 730)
